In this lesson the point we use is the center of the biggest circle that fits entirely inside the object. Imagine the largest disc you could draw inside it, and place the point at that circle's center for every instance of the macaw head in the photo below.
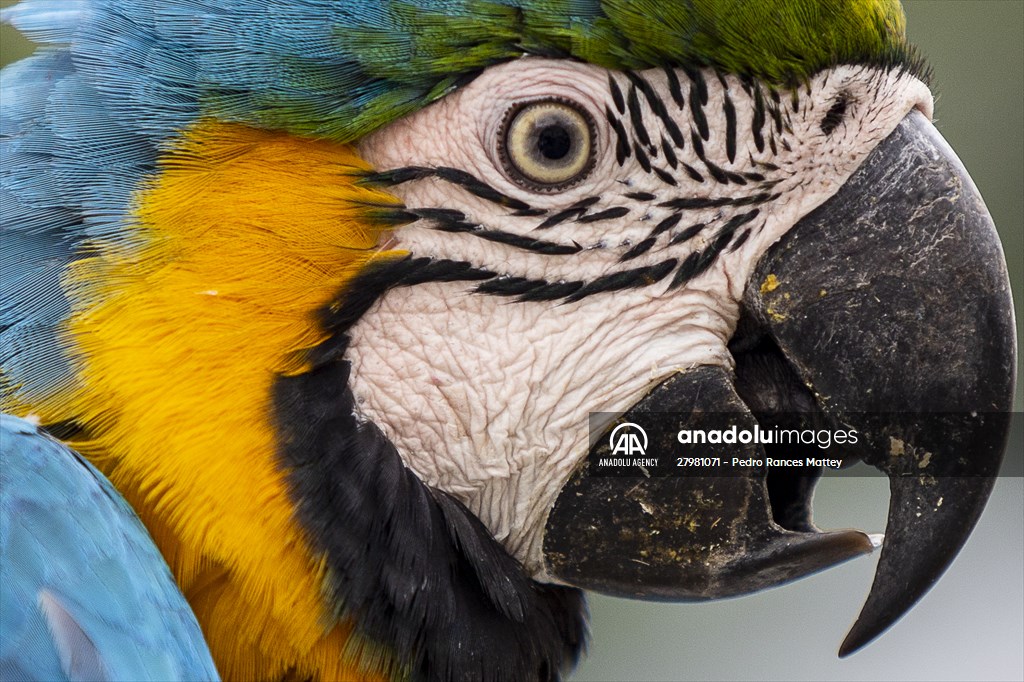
(346, 297)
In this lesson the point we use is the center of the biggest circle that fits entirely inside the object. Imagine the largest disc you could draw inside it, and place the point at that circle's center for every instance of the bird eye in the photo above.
(547, 145)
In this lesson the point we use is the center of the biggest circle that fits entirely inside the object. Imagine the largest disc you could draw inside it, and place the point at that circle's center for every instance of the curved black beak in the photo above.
(886, 311)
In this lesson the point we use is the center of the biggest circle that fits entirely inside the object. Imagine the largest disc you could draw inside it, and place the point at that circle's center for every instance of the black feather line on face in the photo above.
(665, 176)
(641, 157)
(670, 155)
(757, 123)
(574, 211)
(621, 138)
(636, 117)
(729, 109)
(447, 220)
(692, 172)
(675, 87)
(698, 115)
(613, 87)
(455, 176)
(416, 571)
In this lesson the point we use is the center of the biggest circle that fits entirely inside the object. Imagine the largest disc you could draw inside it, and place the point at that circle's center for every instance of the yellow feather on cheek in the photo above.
(179, 332)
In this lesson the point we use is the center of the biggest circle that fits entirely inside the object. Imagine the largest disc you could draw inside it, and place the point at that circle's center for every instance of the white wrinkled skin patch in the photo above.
(487, 397)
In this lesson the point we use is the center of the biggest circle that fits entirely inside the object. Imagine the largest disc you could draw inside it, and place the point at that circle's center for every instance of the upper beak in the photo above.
(887, 311)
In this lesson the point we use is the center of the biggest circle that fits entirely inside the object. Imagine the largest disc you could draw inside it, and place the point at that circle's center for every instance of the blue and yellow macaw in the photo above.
(327, 290)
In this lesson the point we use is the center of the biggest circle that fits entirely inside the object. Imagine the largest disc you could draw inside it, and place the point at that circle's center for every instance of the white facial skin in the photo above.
(486, 396)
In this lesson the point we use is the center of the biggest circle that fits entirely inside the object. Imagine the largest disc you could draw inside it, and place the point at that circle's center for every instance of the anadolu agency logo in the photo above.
(628, 440)
(628, 446)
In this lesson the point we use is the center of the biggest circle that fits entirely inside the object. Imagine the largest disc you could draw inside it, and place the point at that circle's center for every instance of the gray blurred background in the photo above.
(971, 625)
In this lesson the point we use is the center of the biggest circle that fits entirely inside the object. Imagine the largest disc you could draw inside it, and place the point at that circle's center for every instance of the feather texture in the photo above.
(84, 593)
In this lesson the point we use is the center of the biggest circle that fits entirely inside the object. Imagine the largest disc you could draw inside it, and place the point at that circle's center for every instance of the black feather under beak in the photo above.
(885, 311)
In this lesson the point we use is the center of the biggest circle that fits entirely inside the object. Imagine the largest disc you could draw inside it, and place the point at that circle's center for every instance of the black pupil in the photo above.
(554, 142)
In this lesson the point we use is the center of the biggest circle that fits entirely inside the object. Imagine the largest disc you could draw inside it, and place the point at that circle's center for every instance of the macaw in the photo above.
(331, 292)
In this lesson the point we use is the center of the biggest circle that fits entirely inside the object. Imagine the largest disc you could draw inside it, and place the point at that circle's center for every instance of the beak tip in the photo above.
(853, 643)
(864, 631)
(869, 625)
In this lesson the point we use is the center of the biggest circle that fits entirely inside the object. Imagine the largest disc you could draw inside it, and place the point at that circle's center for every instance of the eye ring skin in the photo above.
(519, 144)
